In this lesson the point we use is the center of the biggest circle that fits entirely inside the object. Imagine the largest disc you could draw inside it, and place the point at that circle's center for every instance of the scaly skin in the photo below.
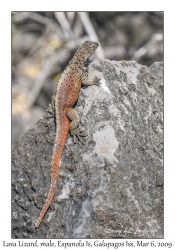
(67, 93)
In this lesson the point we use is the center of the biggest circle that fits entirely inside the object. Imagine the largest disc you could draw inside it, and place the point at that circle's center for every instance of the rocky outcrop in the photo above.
(112, 185)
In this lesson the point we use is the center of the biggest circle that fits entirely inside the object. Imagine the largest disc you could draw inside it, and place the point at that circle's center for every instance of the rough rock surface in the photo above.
(111, 186)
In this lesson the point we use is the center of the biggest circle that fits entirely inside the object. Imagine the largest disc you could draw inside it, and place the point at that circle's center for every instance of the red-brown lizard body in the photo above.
(67, 118)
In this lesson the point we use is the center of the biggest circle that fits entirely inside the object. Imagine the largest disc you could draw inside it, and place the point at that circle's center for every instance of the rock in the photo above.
(111, 186)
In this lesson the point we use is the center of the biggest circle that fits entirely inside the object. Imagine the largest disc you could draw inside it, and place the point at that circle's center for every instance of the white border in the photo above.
(5, 93)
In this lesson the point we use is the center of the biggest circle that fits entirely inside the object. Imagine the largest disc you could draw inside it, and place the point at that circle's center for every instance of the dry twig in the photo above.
(39, 18)
(155, 38)
(91, 32)
(61, 18)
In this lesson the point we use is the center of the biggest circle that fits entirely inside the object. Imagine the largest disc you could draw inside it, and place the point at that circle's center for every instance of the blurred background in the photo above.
(44, 42)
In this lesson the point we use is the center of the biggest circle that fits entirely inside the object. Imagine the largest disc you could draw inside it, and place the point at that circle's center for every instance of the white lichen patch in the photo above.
(95, 94)
(151, 91)
(106, 143)
(148, 114)
(82, 228)
(103, 86)
(65, 192)
(51, 215)
(132, 72)
(113, 110)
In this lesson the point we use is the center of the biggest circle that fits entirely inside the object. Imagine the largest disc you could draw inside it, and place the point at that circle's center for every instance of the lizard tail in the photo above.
(47, 203)
(56, 156)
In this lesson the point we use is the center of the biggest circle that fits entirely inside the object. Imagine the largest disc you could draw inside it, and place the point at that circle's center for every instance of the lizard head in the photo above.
(89, 48)
(84, 52)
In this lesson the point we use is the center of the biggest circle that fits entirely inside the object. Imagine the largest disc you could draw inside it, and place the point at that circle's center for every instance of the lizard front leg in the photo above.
(75, 120)
(86, 81)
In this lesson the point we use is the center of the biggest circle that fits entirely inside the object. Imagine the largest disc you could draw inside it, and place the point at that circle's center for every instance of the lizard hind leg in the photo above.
(75, 120)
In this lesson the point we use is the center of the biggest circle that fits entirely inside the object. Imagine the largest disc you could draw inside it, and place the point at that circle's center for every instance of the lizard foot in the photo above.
(78, 133)
(51, 108)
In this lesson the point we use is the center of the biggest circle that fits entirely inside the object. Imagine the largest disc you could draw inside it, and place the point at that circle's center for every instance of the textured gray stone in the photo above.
(111, 186)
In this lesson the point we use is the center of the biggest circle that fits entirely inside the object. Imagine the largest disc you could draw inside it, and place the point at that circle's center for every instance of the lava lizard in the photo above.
(67, 92)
